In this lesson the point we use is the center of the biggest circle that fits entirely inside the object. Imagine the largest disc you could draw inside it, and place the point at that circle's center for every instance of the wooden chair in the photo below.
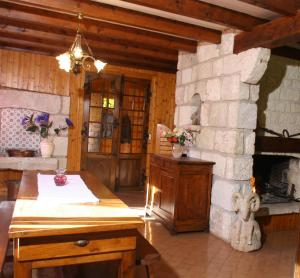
(6, 211)
(162, 146)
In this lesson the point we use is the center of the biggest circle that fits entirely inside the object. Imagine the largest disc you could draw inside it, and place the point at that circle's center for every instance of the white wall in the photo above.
(279, 97)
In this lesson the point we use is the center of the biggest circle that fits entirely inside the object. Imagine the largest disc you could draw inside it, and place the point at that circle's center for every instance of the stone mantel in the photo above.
(28, 163)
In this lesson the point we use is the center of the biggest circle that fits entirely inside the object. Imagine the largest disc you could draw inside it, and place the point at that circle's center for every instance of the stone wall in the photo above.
(228, 90)
(15, 100)
(279, 100)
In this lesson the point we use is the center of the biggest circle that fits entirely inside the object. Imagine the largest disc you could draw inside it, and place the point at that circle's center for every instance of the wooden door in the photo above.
(100, 127)
(134, 112)
(115, 130)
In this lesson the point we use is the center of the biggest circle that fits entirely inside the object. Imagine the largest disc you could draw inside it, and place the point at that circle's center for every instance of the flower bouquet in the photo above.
(180, 138)
(41, 124)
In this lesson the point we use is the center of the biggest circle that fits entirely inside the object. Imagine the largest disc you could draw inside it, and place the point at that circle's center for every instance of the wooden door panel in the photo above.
(103, 168)
(133, 126)
(167, 185)
(191, 205)
(130, 173)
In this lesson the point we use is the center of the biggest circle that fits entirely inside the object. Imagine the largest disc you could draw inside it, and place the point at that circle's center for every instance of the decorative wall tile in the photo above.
(12, 133)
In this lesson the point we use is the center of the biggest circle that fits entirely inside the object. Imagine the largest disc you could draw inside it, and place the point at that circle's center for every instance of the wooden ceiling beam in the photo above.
(285, 7)
(48, 21)
(203, 11)
(38, 36)
(287, 52)
(109, 58)
(278, 32)
(104, 12)
(65, 45)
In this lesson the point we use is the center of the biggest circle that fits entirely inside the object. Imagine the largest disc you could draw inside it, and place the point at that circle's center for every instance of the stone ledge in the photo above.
(277, 209)
(28, 163)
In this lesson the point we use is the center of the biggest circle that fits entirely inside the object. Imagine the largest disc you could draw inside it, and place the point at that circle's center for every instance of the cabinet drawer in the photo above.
(195, 169)
(164, 164)
(80, 246)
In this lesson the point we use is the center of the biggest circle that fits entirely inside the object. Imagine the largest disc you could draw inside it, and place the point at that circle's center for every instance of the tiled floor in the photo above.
(192, 255)
(202, 255)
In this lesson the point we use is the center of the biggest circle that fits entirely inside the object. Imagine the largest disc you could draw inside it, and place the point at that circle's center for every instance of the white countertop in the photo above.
(28, 163)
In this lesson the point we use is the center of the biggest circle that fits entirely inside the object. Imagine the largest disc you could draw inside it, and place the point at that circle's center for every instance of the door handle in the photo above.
(85, 130)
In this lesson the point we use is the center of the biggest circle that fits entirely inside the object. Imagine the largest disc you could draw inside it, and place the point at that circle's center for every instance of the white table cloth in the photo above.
(75, 191)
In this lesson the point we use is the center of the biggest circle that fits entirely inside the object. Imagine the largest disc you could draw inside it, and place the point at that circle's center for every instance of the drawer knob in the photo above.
(81, 243)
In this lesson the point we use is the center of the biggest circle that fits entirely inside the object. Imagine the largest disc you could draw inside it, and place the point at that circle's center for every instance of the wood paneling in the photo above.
(76, 115)
(275, 223)
(33, 72)
(7, 175)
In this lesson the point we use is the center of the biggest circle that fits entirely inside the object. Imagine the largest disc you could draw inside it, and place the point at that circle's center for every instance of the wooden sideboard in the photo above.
(179, 192)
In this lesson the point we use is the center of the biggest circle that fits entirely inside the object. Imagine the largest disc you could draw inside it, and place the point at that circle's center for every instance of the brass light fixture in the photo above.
(77, 57)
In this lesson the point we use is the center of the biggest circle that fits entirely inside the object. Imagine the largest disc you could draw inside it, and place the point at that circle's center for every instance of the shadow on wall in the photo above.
(196, 101)
(270, 84)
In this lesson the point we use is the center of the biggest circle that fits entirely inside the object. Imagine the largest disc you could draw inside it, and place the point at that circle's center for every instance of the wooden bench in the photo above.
(146, 254)
(6, 211)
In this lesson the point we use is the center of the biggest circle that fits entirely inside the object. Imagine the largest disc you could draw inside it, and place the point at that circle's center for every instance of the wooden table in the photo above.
(48, 235)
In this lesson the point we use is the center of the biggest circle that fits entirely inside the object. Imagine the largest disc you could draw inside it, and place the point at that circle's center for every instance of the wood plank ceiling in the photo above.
(145, 33)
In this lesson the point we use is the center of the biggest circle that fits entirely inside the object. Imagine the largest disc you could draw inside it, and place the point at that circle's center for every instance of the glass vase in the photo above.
(60, 178)
(177, 150)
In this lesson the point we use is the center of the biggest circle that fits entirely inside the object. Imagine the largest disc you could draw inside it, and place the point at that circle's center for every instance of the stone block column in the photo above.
(228, 90)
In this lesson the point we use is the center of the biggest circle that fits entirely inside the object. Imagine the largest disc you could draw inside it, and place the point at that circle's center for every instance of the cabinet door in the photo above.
(193, 197)
(167, 191)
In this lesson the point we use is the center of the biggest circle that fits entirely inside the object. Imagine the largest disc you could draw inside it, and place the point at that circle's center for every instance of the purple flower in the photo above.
(25, 120)
(42, 119)
(69, 122)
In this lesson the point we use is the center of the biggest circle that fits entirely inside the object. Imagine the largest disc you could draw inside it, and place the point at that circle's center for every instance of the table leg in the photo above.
(22, 270)
(127, 265)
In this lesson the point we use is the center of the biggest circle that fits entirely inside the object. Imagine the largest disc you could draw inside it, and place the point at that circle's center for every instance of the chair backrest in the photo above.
(162, 146)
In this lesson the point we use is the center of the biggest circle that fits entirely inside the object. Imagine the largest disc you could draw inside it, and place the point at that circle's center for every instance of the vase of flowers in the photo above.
(41, 124)
(180, 139)
(46, 147)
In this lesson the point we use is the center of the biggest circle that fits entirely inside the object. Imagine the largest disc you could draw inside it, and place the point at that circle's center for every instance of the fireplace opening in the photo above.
(277, 178)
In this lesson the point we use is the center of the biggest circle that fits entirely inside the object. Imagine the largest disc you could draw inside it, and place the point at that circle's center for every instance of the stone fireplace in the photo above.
(237, 93)
(14, 105)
